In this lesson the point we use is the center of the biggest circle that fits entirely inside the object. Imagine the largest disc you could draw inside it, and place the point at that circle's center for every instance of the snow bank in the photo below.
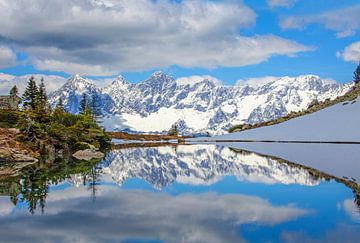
(338, 123)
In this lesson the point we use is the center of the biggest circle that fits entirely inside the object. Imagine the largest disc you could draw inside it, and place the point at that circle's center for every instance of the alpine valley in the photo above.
(198, 105)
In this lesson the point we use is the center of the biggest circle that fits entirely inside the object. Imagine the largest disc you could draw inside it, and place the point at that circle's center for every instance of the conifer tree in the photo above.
(83, 104)
(42, 96)
(30, 96)
(95, 105)
(173, 130)
(14, 91)
(357, 74)
(60, 106)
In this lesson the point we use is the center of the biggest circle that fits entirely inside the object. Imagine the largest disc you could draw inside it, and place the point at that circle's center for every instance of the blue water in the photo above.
(190, 194)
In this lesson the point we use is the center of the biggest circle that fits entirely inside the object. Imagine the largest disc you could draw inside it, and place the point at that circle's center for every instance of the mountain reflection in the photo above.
(199, 165)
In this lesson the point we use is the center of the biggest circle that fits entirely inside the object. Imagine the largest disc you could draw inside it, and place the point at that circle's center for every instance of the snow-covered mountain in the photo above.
(196, 165)
(198, 105)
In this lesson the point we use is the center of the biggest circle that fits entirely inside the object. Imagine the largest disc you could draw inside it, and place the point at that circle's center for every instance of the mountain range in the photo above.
(196, 165)
(199, 105)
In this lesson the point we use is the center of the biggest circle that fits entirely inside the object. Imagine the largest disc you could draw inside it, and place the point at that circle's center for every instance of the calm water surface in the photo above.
(197, 193)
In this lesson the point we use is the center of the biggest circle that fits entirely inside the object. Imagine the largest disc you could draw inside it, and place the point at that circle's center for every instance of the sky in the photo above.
(230, 40)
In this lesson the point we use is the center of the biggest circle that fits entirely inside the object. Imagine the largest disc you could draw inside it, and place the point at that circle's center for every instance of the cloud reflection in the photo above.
(119, 215)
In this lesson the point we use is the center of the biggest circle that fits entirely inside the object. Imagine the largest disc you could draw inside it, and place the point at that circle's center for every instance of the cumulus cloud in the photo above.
(96, 37)
(118, 215)
(350, 207)
(281, 3)
(351, 53)
(344, 21)
(7, 57)
(52, 82)
(6, 206)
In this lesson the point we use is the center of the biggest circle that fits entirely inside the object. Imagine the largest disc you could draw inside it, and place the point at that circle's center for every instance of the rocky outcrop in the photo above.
(88, 154)
(12, 150)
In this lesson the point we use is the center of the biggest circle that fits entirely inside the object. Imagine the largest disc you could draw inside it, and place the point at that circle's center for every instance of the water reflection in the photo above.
(121, 215)
(199, 165)
(198, 193)
(30, 182)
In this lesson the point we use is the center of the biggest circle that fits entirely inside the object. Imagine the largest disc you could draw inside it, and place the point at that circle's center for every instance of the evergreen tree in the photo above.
(83, 104)
(95, 105)
(173, 130)
(14, 91)
(60, 106)
(30, 96)
(42, 96)
(357, 74)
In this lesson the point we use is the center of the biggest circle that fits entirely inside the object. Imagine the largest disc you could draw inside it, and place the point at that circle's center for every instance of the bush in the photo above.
(9, 119)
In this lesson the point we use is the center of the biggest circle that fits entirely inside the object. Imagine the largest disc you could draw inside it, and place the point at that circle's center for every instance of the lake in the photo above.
(185, 193)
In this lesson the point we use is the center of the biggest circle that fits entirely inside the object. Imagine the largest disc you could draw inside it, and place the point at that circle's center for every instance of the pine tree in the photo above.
(14, 91)
(173, 130)
(357, 74)
(42, 96)
(95, 105)
(83, 104)
(60, 106)
(30, 96)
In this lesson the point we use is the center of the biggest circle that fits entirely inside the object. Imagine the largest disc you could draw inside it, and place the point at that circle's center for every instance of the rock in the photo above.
(11, 155)
(88, 154)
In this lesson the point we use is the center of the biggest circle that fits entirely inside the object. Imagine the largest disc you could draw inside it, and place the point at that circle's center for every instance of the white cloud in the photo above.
(6, 206)
(7, 57)
(52, 82)
(107, 37)
(351, 53)
(351, 209)
(74, 68)
(345, 21)
(281, 3)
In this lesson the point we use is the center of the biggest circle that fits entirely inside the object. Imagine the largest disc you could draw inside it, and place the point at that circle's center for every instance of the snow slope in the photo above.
(338, 123)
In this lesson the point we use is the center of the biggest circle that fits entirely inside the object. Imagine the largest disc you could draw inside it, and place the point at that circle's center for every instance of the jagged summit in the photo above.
(119, 81)
(201, 102)
(158, 74)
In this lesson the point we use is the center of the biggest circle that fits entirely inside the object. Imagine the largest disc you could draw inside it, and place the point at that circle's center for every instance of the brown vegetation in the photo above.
(11, 149)
(145, 137)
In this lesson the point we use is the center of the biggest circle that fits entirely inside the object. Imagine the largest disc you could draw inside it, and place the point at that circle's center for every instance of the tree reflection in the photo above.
(31, 184)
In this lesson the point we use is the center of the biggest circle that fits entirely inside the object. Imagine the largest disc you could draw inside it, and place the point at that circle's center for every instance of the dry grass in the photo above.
(144, 137)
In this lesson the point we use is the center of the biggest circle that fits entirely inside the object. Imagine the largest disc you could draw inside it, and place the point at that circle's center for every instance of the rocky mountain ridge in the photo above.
(202, 106)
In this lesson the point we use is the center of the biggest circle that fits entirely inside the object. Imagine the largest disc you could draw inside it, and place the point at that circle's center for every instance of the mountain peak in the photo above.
(158, 74)
(76, 78)
(78, 84)
(119, 81)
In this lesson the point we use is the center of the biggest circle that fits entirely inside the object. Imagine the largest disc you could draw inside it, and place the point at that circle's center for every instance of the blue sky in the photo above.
(230, 40)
